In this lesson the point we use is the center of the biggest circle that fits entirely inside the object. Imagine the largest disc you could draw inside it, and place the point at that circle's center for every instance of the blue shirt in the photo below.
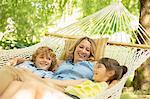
(40, 72)
(68, 70)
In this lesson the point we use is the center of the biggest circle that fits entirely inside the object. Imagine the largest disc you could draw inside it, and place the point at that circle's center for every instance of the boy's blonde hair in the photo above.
(46, 51)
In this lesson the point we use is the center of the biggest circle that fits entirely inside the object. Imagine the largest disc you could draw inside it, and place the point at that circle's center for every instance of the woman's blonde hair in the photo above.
(70, 54)
(46, 51)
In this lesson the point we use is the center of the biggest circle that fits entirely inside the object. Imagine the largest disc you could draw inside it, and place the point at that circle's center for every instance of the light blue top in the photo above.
(40, 72)
(68, 70)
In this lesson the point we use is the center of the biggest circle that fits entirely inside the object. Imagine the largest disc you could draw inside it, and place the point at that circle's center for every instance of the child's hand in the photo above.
(113, 83)
(15, 61)
(12, 62)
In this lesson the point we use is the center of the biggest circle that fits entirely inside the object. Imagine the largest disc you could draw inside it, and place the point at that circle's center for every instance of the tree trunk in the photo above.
(142, 75)
(145, 14)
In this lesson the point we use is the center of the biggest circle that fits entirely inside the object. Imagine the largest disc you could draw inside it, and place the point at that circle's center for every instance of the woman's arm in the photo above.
(113, 83)
(65, 83)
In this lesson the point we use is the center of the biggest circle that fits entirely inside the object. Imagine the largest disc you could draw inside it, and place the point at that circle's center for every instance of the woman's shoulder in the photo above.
(59, 62)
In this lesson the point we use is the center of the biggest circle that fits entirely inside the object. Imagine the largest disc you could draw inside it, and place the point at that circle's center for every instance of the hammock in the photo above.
(115, 18)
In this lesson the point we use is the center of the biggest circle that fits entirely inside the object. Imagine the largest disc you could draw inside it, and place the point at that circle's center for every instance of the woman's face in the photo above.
(100, 73)
(43, 61)
(82, 51)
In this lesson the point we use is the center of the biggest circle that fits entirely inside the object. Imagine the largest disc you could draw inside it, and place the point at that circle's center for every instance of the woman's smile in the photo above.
(82, 51)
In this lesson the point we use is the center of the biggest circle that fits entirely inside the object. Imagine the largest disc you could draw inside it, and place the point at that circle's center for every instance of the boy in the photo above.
(43, 62)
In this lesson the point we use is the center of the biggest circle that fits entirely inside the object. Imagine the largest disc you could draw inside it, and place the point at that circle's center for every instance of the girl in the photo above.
(106, 73)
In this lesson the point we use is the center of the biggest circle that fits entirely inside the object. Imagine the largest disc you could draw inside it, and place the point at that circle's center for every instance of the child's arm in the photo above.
(15, 61)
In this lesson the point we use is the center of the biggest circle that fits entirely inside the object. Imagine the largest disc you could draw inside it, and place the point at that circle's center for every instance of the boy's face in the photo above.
(100, 73)
(43, 61)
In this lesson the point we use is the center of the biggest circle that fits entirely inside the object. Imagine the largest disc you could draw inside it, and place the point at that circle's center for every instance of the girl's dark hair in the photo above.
(112, 64)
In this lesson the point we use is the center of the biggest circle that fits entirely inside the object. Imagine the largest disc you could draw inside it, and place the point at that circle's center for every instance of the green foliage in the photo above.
(91, 6)
(129, 81)
(127, 95)
(31, 18)
(133, 6)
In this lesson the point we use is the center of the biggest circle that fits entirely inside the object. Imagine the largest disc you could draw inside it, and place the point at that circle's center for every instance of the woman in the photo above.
(77, 66)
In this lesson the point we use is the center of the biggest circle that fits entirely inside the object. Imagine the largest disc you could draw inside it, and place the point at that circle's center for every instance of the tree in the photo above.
(142, 74)
(30, 19)
(145, 14)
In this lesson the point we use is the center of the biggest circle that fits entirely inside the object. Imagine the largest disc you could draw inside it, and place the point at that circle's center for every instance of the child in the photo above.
(106, 72)
(43, 62)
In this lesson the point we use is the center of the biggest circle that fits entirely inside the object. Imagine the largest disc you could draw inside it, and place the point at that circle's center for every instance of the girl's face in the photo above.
(43, 61)
(82, 51)
(101, 74)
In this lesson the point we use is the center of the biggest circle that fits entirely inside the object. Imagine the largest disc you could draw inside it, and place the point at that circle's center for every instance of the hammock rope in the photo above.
(115, 18)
